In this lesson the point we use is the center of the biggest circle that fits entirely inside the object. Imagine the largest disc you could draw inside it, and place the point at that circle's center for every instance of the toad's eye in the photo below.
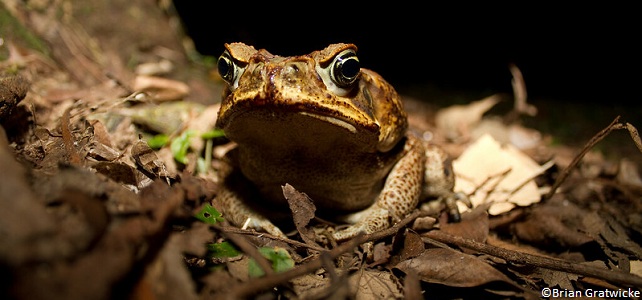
(229, 70)
(345, 69)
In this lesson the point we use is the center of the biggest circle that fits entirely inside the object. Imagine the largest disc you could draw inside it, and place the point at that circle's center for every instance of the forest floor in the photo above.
(109, 163)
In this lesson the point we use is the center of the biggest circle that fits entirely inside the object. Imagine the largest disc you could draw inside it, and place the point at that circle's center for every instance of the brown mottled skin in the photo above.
(343, 144)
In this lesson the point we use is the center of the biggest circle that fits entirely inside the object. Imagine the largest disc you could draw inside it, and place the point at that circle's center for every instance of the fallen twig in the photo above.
(250, 250)
(535, 260)
(591, 143)
(235, 230)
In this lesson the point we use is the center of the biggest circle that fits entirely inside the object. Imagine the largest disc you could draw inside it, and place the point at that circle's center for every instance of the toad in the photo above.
(329, 128)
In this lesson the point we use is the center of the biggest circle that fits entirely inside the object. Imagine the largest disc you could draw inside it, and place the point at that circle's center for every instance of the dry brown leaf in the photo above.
(166, 117)
(628, 173)
(239, 269)
(162, 89)
(167, 276)
(424, 223)
(164, 66)
(610, 233)
(147, 161)
(20, 240)
(412, 287)
(636, 267)
(310, 285)
(558, 223)
(100, 151)
(218, 282)
(374, 285)
(452, 268)
(473, 225)
(564, 280)
(116, 171)
(101, 133)
(117, 251)
(303, 210)
(457, 121)
(413, 246)
(479, 173)
(381, 252)
(194, 239)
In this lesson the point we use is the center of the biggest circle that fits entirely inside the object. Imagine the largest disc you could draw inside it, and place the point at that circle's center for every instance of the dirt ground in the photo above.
(109, 162)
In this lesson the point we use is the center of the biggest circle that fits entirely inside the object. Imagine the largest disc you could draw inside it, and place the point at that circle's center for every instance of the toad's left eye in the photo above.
(229, 70)
(345, 69)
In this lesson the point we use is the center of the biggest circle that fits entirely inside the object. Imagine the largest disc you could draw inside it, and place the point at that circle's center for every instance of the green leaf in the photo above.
(209, 215)
(222, 250)
(158, 141)
(280, 258)
(254, 270)
(180, 145)
(214, 133)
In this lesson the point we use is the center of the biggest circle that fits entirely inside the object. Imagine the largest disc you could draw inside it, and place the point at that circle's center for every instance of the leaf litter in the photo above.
(88, 203)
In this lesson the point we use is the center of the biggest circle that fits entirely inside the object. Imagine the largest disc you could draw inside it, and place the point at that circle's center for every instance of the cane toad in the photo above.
(328, 127)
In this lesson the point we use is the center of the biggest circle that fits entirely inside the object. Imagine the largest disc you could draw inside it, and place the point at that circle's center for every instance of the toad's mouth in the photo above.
(332, 120)
(275, 127)
(265, 107)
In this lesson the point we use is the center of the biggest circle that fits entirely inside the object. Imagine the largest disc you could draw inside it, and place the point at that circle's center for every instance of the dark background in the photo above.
(581, 64)
(573, 55)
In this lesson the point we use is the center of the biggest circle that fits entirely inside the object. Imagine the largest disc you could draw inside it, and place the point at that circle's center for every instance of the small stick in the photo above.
(249, 249)
(519, 91)
(594, 140)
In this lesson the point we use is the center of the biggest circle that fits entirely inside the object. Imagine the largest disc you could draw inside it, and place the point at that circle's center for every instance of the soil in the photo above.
(92, 208)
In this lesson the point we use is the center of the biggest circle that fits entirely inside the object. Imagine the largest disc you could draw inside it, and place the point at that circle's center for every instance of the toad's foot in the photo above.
(439, 183)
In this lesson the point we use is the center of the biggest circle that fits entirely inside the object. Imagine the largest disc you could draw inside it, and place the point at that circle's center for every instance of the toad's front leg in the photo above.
(399, 196)
(231, 202)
